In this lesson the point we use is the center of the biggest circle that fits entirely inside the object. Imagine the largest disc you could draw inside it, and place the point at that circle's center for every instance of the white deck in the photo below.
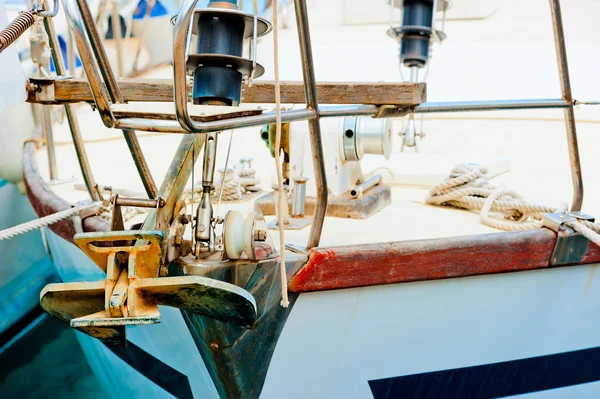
(507, 56)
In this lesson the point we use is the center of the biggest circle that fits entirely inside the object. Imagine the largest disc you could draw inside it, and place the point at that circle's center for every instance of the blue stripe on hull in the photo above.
(160, 373)
(496, 380)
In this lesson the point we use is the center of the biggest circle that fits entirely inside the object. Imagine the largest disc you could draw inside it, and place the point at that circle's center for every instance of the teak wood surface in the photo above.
(74, 90)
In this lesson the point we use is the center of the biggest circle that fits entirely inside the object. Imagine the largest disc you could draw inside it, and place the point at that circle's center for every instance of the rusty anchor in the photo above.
(132, 291)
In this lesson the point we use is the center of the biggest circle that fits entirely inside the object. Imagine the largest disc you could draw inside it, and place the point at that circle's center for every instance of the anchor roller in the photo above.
(218, 65)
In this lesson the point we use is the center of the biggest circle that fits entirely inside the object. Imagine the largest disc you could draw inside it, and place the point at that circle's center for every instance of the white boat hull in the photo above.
(501, 334)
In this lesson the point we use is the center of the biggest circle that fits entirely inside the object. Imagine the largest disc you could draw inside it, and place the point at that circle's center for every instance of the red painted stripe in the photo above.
(45, 202)
(399, 262)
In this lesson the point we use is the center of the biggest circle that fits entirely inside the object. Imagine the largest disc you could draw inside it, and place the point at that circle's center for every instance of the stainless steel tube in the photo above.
(116, 30)
(565, 83)
(316, 143)
(180, 43)
(334, 111)
(50, 14)
(210, 160)
(140, 163)
(139, 202)
(83, 24)
(49, 138)
(365, 186)
(71, 59)
(89, 65)
(82, 157)
(299, 197)
(162, 126)
(492, 105)
(99, 52)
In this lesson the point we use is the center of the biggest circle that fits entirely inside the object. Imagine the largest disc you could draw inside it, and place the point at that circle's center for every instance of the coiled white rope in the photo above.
(231, 190)
(248, 179)
(583, 227)
(282, 200)
(38, 223)
(468, 187)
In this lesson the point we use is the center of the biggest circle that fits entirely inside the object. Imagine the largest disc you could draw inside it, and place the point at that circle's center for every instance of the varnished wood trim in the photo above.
(261, 92)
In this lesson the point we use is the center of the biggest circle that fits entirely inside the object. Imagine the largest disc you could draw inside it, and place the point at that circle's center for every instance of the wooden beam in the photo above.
(261, 92)
(400, 262)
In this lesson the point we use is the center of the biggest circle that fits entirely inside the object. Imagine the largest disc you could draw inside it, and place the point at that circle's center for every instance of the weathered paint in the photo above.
(238, 359)
(399, 262)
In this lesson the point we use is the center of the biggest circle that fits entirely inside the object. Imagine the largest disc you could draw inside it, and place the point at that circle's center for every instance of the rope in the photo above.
(248, 179)
(282, 201)
(38, 223)
(226, 163)
(582, 227)
(231, 190)
(469, 188)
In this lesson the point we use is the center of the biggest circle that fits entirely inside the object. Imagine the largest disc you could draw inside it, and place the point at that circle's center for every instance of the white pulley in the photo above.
(238, 234)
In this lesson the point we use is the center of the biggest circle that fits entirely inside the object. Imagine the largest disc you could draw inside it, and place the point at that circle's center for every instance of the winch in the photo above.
(415, 35)
(218, 65)
(346, 141)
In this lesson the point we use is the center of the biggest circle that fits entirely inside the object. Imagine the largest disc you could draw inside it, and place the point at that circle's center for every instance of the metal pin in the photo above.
(362, 188)
(299, 196)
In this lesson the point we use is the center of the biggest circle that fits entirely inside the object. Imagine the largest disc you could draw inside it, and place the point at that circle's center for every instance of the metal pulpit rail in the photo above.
(105, 91)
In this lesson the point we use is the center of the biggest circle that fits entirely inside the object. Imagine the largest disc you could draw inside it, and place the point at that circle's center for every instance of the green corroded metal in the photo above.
(204, 296)
(177, 177)
(238, 359)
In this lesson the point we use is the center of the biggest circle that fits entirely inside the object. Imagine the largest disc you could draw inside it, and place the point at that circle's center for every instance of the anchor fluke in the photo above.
(132, 291)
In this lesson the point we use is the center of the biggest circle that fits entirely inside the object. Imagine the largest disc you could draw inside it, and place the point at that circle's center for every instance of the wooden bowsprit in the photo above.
(132, 290)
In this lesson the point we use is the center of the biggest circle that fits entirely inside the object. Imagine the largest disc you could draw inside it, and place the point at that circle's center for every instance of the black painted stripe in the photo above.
(496, 380)
(163, 375)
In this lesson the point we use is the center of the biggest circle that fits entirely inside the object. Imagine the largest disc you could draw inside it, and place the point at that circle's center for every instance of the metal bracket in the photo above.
(392, 111)
(43, 88)
(570, 245)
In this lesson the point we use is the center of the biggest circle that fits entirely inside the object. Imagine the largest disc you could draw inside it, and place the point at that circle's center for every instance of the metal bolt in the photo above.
(201, 227)
(260, 235)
